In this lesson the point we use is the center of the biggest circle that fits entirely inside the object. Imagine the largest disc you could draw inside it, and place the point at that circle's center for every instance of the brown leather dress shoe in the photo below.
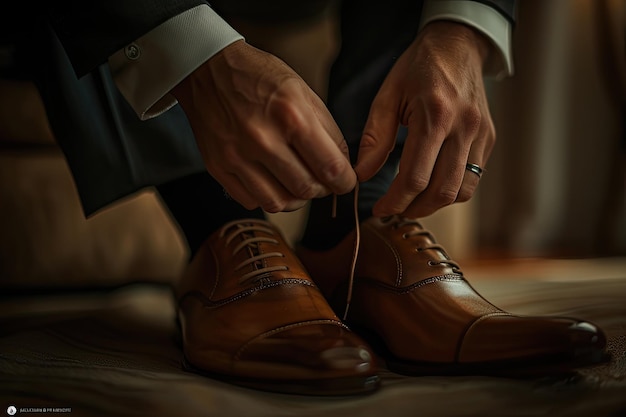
(412, 303)
(250, 315)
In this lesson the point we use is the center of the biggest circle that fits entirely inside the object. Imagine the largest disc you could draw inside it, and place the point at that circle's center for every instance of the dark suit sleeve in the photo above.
(92, 30)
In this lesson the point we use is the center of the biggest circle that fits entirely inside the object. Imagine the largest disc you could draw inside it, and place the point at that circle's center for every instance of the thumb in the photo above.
(378, 139)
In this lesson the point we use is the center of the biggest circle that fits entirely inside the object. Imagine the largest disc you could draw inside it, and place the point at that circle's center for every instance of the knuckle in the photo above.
(273, 205)
(440, 111)
(256, 142)
(264, 145)
(372, 140)
(472, 119)
(416, 184)
(290, 117)
(445, 196)
(294, 119)
(332, 169)
(368, 140)
(306, 190)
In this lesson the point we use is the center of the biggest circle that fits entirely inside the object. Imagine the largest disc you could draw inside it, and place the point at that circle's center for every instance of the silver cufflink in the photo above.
(132, 51)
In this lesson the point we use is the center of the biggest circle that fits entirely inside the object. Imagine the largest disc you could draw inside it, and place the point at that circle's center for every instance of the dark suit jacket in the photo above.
(90, 31)
(63, 46)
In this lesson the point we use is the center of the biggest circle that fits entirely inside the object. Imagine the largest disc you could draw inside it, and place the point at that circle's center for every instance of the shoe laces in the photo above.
(357, 245)
(417, 231)
(248, 232)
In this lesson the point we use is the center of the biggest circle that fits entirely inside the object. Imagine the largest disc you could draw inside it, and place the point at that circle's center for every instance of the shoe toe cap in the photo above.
(507, 337)
(309, 350)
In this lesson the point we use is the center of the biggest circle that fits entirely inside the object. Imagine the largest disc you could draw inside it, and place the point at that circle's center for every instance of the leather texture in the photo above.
(413, 304)
(251, 315)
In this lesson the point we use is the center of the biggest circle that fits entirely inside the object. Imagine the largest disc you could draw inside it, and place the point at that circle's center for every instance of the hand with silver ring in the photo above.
(476, 169)
(436, 90)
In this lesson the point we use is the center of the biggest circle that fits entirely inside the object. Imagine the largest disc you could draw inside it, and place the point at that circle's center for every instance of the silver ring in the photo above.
(476, 169)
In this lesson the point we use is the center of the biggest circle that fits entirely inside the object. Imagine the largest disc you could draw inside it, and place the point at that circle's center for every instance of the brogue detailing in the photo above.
(473, 324)
(263, 285)
(412, 287)
(287, 327)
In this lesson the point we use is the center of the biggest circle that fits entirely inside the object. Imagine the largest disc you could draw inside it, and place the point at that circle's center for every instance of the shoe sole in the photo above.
(558, 365)
(346, 386)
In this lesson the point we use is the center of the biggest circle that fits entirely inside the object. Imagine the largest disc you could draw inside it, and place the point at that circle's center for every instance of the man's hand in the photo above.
(435, 89)
(262, 132)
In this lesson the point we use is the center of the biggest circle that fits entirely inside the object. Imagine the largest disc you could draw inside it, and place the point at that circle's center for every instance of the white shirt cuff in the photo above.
(146, 70)
(484, 19)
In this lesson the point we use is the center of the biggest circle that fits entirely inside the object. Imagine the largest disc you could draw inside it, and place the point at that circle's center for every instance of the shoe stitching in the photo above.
(414, 286)
(263, 285)
(269, 333)
(472, 325)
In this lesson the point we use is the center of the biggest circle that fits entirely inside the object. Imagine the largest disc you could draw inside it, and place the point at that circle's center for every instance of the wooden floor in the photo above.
(115, 353)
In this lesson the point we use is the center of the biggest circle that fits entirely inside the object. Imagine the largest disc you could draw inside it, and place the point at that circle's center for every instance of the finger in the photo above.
(233, 188)
(468, 186)
(294, 175)
(266, 190)
(470, 179)
(379, 136)
(417, 162)
(479, 154)
(324, 158)
(313, 138)
(446, 181)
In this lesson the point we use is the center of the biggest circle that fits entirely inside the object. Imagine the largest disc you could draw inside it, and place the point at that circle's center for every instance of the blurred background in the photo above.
(555, 186)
